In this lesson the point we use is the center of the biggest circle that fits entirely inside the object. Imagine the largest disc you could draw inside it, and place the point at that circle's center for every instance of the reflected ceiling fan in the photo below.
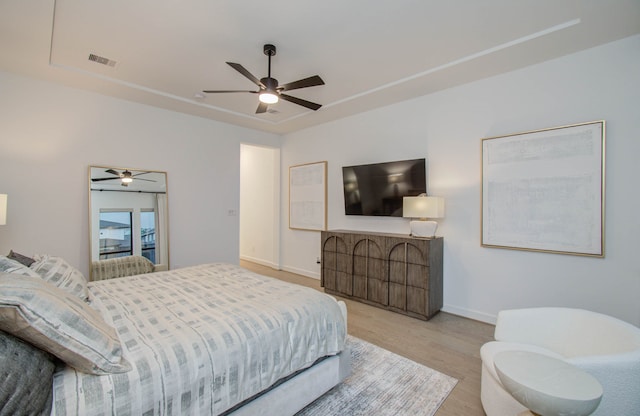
(269, 91)
(126, 177)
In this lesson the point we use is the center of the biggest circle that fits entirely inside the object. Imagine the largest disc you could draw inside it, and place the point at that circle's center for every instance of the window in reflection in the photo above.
(148, 234)
(116, 237)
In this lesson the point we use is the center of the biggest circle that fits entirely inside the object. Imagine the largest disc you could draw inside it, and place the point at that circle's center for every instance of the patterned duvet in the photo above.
(200, 340)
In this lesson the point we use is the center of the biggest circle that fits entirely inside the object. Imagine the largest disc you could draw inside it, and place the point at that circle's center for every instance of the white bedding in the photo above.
(201, 340)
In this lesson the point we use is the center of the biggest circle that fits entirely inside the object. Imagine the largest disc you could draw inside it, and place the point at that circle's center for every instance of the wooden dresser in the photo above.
(391, 271)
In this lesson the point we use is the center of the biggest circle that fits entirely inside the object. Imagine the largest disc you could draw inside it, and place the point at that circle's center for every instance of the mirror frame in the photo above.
(165, 263)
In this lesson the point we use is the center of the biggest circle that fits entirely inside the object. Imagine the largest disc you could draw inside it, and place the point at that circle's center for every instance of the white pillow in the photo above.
(58, 272)
(60, 323)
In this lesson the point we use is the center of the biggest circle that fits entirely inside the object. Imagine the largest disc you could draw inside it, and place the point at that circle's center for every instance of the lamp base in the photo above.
(423, 228)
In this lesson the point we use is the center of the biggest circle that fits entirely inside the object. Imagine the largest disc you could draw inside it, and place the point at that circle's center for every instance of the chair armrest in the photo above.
(567, 331)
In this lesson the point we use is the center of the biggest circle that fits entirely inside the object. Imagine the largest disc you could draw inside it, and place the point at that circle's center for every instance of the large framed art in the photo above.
(543, 190)
(308, 196)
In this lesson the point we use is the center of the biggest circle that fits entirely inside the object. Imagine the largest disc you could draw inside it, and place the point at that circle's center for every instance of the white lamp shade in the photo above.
(3, 209)
(423, 207)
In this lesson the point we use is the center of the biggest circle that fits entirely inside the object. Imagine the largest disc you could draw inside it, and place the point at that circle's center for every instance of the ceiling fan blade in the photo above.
(113, 179)
(246, 73)
(103, 179)
(302, 83)
(113, 172)
(300, 101)
(219, 91)
(141, 179)
(262, 108)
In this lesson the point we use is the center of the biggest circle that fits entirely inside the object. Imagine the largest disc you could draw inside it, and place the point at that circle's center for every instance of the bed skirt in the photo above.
(293, 395)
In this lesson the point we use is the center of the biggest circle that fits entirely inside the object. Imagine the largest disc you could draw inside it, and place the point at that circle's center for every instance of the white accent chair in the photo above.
(605, 347)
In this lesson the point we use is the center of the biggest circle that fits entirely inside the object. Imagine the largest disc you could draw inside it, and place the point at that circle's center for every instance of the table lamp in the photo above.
(420, 208)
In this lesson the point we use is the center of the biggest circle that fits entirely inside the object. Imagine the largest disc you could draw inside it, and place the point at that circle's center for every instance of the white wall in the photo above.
(50, 134)
(446, 128)
(260, 205)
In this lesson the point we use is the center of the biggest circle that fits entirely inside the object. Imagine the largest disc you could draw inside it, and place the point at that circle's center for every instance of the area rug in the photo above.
(383, 383)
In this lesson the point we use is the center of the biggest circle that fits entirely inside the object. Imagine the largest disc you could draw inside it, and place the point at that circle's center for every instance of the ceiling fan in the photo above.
(125, 176)
(269, 91)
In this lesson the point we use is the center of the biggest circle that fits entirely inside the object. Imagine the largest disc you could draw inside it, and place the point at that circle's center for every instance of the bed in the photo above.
(212, 339)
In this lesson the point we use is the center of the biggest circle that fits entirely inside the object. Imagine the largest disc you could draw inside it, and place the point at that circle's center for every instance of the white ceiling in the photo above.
(369, 53)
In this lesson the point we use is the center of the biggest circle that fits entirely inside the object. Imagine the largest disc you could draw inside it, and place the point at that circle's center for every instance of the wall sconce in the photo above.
(422, 207)
(395, 177)
(3, 209)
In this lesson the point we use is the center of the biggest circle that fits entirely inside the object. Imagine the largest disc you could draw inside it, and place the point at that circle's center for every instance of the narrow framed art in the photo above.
(544, 190)
(308, 196)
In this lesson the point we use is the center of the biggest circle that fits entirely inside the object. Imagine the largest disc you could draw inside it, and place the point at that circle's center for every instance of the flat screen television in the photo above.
(377, 189)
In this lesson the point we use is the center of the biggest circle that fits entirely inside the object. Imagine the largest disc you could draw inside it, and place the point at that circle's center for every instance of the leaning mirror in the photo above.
(128, 214)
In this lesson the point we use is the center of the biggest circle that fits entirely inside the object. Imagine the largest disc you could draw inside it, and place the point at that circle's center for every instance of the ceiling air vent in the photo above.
(102, 60)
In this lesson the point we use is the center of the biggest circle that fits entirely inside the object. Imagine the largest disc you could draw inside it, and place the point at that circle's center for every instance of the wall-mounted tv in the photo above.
(377, 189)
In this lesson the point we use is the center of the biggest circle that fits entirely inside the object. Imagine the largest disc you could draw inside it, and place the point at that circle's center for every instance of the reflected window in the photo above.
(148, 234)
(116, 236)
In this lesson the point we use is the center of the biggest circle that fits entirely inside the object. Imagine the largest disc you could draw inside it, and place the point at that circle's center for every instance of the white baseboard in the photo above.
(455, 310)
(471, 314)
(307, 273)
(260, 261)
(302, 272)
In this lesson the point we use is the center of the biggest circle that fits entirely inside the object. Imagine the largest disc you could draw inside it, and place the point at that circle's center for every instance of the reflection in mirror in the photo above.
(128, 214)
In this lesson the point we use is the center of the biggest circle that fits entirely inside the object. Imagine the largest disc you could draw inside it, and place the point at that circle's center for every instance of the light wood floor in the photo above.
(447, 343)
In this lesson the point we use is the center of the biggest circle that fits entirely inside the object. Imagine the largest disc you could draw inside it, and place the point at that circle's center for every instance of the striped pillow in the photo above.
(59, 323)
(8, 265)
(58, 272)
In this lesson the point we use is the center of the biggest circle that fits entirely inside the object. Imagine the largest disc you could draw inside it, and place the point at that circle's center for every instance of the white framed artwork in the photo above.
(308, 196)
(543, 190)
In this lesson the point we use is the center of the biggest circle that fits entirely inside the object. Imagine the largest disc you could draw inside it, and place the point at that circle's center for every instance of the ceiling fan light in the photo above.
(268, 97)
(126, 177)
